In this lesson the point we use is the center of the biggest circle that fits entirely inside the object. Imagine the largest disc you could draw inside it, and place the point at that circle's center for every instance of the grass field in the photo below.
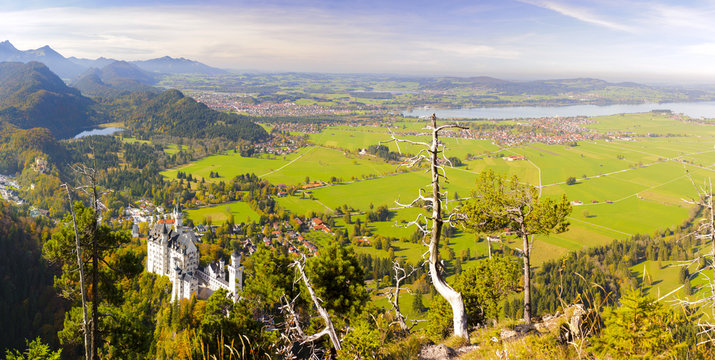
(219, 214)
(627, 187)
(316, 163)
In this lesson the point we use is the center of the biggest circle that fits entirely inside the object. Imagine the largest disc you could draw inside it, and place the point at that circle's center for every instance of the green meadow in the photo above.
(315, 163)
(220, 213)
(626, 187)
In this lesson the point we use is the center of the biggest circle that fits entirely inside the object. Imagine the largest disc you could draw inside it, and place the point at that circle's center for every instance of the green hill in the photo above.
(174, 114)
(33, 96)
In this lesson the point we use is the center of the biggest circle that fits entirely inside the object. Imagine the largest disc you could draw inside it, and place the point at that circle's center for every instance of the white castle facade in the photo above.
(172, 252)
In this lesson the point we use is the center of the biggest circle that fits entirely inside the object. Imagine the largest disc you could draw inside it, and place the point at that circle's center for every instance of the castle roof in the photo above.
(181, 241)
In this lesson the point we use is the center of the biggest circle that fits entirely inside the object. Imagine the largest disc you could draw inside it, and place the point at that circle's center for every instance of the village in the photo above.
(8, 189)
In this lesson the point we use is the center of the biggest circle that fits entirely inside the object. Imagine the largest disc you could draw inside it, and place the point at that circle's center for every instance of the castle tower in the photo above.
(221, 272)
(235, 275)
(164, 250)
(178, 218)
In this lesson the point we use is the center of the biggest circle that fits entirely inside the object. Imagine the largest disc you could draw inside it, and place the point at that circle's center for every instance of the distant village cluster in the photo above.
(8, 189)
(231, 102)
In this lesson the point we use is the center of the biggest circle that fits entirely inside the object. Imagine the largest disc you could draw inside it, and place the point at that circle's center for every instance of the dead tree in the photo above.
(394, 298)
(490, 240)
(90, 177)
(80, 265)
(90, 174)
(293, 322)
(706, 232)
(434, 150)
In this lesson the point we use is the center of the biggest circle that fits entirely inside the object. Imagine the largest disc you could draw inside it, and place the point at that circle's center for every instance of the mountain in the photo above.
(169, 65)
(46, 55)
(98, 63)
(113, 80)
(174, 114)
(8, 51)
(70, 68)
(33, 96)
(125, 70)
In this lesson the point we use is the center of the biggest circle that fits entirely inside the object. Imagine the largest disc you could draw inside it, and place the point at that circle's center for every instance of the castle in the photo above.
(171, 251)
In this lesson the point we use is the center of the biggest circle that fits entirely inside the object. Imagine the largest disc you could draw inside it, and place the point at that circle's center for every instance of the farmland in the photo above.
(626, 186)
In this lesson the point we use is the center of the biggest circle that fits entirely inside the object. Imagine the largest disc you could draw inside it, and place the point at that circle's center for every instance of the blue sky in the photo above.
(669, 41)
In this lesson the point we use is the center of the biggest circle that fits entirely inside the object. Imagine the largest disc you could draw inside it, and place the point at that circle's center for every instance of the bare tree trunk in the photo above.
(454, 298)
(95, 299)
(711, 227)
(80, 264)
(489, 246)
(95, 268)
(395, 298)
(527, 278)
(329, 328)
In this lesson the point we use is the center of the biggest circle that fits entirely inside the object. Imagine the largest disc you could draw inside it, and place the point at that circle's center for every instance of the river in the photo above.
(693, 109)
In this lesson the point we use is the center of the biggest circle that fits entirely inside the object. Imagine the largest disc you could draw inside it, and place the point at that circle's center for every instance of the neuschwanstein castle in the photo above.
(171, 251)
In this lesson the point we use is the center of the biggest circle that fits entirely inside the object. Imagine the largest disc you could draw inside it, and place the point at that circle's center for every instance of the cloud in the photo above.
(467, 50)
(702, 49)
(581, 14)
(692, 18)
(270, 38)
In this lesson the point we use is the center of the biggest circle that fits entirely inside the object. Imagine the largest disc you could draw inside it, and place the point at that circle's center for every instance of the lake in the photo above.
(98, 131)
(694, 109)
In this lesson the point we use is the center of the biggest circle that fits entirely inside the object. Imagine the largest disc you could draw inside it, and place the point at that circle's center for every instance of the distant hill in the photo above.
(536, 87)
(33, 96)
(98, 63)
(169, 65)
(125, 70)
(174, 114)
(115, 79)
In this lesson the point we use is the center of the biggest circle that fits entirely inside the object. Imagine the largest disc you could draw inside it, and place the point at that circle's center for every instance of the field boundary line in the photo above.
(292, 161)
(599, 226)
(325, 206)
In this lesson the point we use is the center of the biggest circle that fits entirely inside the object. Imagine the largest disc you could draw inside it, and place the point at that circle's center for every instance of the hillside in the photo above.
(29, 304)
(33, 96)
(174, 114)
(113, 80)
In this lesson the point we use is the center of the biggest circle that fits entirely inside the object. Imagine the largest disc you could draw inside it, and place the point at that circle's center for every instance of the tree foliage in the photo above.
(485, 286)
(36, 350)
(641, 328)
(499, 205)
(338, 280)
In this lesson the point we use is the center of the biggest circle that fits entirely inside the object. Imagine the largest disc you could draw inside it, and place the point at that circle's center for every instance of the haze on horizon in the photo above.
(651, 41)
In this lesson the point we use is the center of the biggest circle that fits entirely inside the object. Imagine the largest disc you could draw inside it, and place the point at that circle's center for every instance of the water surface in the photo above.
(693, 109)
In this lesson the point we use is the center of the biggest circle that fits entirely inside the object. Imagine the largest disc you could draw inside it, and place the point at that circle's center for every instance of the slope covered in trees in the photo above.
(174, 114)
(33, 96)
(29, 306)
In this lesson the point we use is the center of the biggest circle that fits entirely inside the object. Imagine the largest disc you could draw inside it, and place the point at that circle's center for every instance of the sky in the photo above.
(617, 40)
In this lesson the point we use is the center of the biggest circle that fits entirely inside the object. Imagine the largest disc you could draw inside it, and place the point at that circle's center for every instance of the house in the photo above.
(515, 157)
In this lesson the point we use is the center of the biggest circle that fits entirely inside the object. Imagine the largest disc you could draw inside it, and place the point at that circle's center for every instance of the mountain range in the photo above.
(72, 67)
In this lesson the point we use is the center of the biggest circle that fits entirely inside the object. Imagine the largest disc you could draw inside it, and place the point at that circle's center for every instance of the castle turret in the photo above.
(178, 218)
(235, 275)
